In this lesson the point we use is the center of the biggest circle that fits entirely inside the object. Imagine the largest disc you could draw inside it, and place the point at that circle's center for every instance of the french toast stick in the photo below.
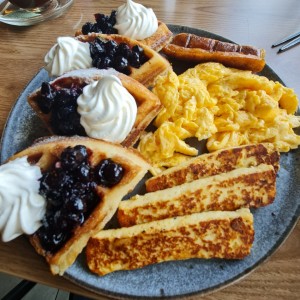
(243, 187)
(214, 163)
(186, 46)
(216, 234)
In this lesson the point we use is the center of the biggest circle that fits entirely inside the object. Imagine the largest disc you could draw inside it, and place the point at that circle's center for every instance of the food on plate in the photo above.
(217, 234)
(82, 182)
(106, 51)
(225, 106)
(217, 162)
(244, 187)
(102, 104)
(190, 47)
(133, 20)
(22, 207)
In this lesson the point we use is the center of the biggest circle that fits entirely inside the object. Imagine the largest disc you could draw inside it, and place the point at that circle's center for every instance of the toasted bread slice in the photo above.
(159, 39)
(214, 163)
(47, 152)
(206, 235)
(243, 187)
(199, 49)
(147, 72)
(148, 104)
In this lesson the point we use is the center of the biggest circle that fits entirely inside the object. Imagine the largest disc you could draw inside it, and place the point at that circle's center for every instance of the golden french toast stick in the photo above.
(214, 163)
(217, 234)
(243, 187)
(186, 46)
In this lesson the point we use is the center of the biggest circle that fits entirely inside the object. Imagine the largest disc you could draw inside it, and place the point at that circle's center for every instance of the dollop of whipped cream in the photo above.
(108, 111)
(135, 20)
(66, 55)
(21, 206)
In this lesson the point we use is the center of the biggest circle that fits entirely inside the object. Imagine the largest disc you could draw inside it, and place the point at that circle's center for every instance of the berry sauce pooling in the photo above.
(70, 191)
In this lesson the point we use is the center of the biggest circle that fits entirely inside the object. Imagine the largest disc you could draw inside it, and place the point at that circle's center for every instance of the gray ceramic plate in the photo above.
(181, 278)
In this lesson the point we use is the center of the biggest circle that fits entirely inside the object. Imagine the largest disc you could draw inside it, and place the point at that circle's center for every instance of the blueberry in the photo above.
(83, 172)
(75, 219)
(120, 63)
(96, 50)
(74, 204)
(111, 47)
(87, 28)
(65, 120)
(96, 62)
(137, 49)
(71, 158)
(105, 63)
(134, 60)
(101, 18)
(109, 173)
(124, 50)
(112, 18)
(45, 102)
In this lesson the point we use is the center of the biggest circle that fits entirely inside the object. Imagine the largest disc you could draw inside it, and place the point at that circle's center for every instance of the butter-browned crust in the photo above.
(227, 235)
(46, 152)
(190, 47)
(148, 104)
(147, 72)
(244, 187)
(214, 163)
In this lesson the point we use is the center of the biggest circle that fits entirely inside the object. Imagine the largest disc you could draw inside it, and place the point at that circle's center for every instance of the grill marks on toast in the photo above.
(244, 187)
(226, 235)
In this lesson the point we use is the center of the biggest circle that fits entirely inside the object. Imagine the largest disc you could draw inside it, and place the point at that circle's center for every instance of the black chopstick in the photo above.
(289, 45)
(287, 39)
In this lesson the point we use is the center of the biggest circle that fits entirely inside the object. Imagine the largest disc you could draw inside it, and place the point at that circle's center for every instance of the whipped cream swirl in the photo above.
(135, 20)
(21, 206)
(108, 111)
(66, 55)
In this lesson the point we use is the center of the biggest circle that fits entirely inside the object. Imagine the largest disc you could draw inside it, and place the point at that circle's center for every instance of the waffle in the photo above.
(146, 73)
(214, 163)
(160, 38)
(198, 49)
(47, 151)
(244, 187)
(227, 235)
(148, 104)
(157, 40)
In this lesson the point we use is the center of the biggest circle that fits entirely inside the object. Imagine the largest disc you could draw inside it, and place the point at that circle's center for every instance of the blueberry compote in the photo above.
(104, 24)
(70, 191)
(109, 54)
(62, 103)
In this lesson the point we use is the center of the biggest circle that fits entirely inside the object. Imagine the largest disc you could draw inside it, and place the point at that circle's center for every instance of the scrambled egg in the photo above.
(225, 106)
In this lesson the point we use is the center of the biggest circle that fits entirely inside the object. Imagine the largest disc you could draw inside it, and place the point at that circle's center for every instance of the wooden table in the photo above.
(255, 22)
